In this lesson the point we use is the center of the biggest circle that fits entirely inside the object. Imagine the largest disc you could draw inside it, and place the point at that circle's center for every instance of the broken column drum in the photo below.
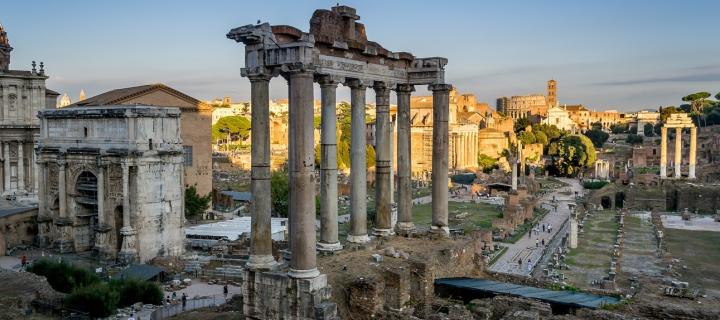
(335, 51)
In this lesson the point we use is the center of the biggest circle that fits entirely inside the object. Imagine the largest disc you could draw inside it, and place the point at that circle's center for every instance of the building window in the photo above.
(188, 155)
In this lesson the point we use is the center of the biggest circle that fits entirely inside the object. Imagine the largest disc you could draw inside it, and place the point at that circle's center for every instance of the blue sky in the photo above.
(605, 54)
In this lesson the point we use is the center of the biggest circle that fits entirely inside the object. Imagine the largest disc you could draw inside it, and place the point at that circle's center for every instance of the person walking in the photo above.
(537, 243)
(543, 228)
(23, 261)
(225, 291)
(543, 242)
(184, 300)
(520, 262)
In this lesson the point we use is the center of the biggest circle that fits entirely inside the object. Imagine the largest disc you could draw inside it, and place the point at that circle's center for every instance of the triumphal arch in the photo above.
(679, 121)
(335, 51)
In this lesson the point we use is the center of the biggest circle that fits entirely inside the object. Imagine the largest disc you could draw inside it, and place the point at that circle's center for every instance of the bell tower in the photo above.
(551, 93)
(5, 49)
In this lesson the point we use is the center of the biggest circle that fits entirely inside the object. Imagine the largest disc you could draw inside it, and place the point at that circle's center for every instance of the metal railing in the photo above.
(177, 307)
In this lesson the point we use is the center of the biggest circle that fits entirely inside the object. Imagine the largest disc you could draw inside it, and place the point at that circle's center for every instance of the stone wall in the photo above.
(17, 229)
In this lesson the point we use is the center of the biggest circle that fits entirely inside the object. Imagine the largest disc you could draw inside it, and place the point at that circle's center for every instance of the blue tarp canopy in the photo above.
(484, 287)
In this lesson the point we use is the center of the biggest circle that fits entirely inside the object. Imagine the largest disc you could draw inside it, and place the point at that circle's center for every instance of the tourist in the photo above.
(225, 291)
(537, 243)
(167, 299)
(23, 261)
(184, 300)
(543, 228)
(543, 242)
(174, 296)
(132, 317)
(520, 262)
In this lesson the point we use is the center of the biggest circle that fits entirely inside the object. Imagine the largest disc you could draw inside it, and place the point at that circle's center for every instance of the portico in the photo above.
(678, 121)
(335, 51)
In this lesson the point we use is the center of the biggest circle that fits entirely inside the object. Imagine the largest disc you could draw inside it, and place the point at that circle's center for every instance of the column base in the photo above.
(405, 228)
(358, 239)
(383, 232)
(303, 274)
(663, 172)
(691, 172)
(445, 231)
(329, 247)
(128, 253)
(261, 262)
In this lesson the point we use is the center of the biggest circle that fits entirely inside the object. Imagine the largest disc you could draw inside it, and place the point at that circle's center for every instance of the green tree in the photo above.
(134, 290)
(619, 128)
(596, 126)
(98, 299)
(634, 139)
(370, 156)
(527, 137)
(648, 130)
(597, 136)
(62, 276)
(571, 154)
(541, 138)
(280, 192)
(236, 127)
(657, 128)
(521, 124)
(487, 163)
(697, 100)
(195, 204)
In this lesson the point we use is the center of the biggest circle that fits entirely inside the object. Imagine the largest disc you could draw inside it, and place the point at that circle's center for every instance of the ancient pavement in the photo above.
(525, 247)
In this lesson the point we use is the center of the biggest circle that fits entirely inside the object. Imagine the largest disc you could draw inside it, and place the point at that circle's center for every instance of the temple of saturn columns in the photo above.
(335, 51)
(679, 121)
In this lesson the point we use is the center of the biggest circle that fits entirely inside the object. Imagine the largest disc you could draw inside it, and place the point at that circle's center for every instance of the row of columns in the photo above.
(466, 149)
(678, 152)
(301, 167)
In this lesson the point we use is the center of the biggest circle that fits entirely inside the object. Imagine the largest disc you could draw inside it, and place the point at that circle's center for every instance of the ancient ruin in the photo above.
(679, 121)
(335, 51)
(113, 177)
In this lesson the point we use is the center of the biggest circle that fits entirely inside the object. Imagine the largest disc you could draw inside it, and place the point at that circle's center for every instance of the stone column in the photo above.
(693, 153)
(358, 169)
(102, 228)
(303, 263)
(383, 161)
(663, 152)
(128, 251)
(441, 110)
(405, 223)
(514, 164)
(62, 192)
(21, 167)
(6, 166)
(678, 151)
(36, 168)
(328, 167)
(261, 222)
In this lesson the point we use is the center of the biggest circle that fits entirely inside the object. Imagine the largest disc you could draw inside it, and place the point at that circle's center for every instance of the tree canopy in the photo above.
(195, 204)
(280, 192)
(571, 154)
(634, 139)
(697, 100)
(521, 124)
(597, 136)
(648, 130)
(238, 127)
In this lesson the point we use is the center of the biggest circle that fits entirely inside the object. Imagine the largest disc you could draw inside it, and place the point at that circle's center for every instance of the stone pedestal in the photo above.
(64, 242)
(102, 237)
(45, 224)
(128, 253)
(275, 296)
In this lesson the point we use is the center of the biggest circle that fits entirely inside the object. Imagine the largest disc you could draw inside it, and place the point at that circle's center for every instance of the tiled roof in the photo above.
(119, 96)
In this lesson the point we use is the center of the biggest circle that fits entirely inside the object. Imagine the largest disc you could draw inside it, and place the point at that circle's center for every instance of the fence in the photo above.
(177, 308)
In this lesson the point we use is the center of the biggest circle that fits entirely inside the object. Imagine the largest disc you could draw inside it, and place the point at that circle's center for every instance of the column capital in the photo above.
(404, 88)
(358, 83)
(260, 73)
(440, 87)
(297, 70)
(259, 77)
(328, 81)
(61, 164)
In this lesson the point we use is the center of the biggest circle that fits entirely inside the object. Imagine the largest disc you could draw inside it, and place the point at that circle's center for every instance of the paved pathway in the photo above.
(525, 249)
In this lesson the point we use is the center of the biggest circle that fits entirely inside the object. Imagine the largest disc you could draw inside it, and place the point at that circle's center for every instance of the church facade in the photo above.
(22, 95)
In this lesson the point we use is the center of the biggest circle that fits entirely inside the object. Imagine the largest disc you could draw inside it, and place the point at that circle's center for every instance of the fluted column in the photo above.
(303, 263)
(693, 153)
(678, 151)
(328, 167)
(21, 167)
(405, 223)
(663, 152)
(358, 168)
(261, 203)
(441, 110)
(383, 160)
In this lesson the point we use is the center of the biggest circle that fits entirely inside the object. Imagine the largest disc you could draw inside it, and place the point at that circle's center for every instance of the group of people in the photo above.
(172, 300)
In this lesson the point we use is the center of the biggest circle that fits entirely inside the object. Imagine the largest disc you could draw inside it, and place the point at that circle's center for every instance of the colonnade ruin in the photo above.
(678, 121)
(335, 51)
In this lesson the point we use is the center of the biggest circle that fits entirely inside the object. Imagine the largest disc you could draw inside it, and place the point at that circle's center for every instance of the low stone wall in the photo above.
(274, 295)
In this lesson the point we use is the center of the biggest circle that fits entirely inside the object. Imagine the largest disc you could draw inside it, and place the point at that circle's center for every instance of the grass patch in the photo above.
(700, 252)
(480, 214)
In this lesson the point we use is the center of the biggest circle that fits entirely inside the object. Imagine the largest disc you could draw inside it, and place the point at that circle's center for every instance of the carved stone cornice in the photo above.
(328, 81)
(358, 83)
(404, 89)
